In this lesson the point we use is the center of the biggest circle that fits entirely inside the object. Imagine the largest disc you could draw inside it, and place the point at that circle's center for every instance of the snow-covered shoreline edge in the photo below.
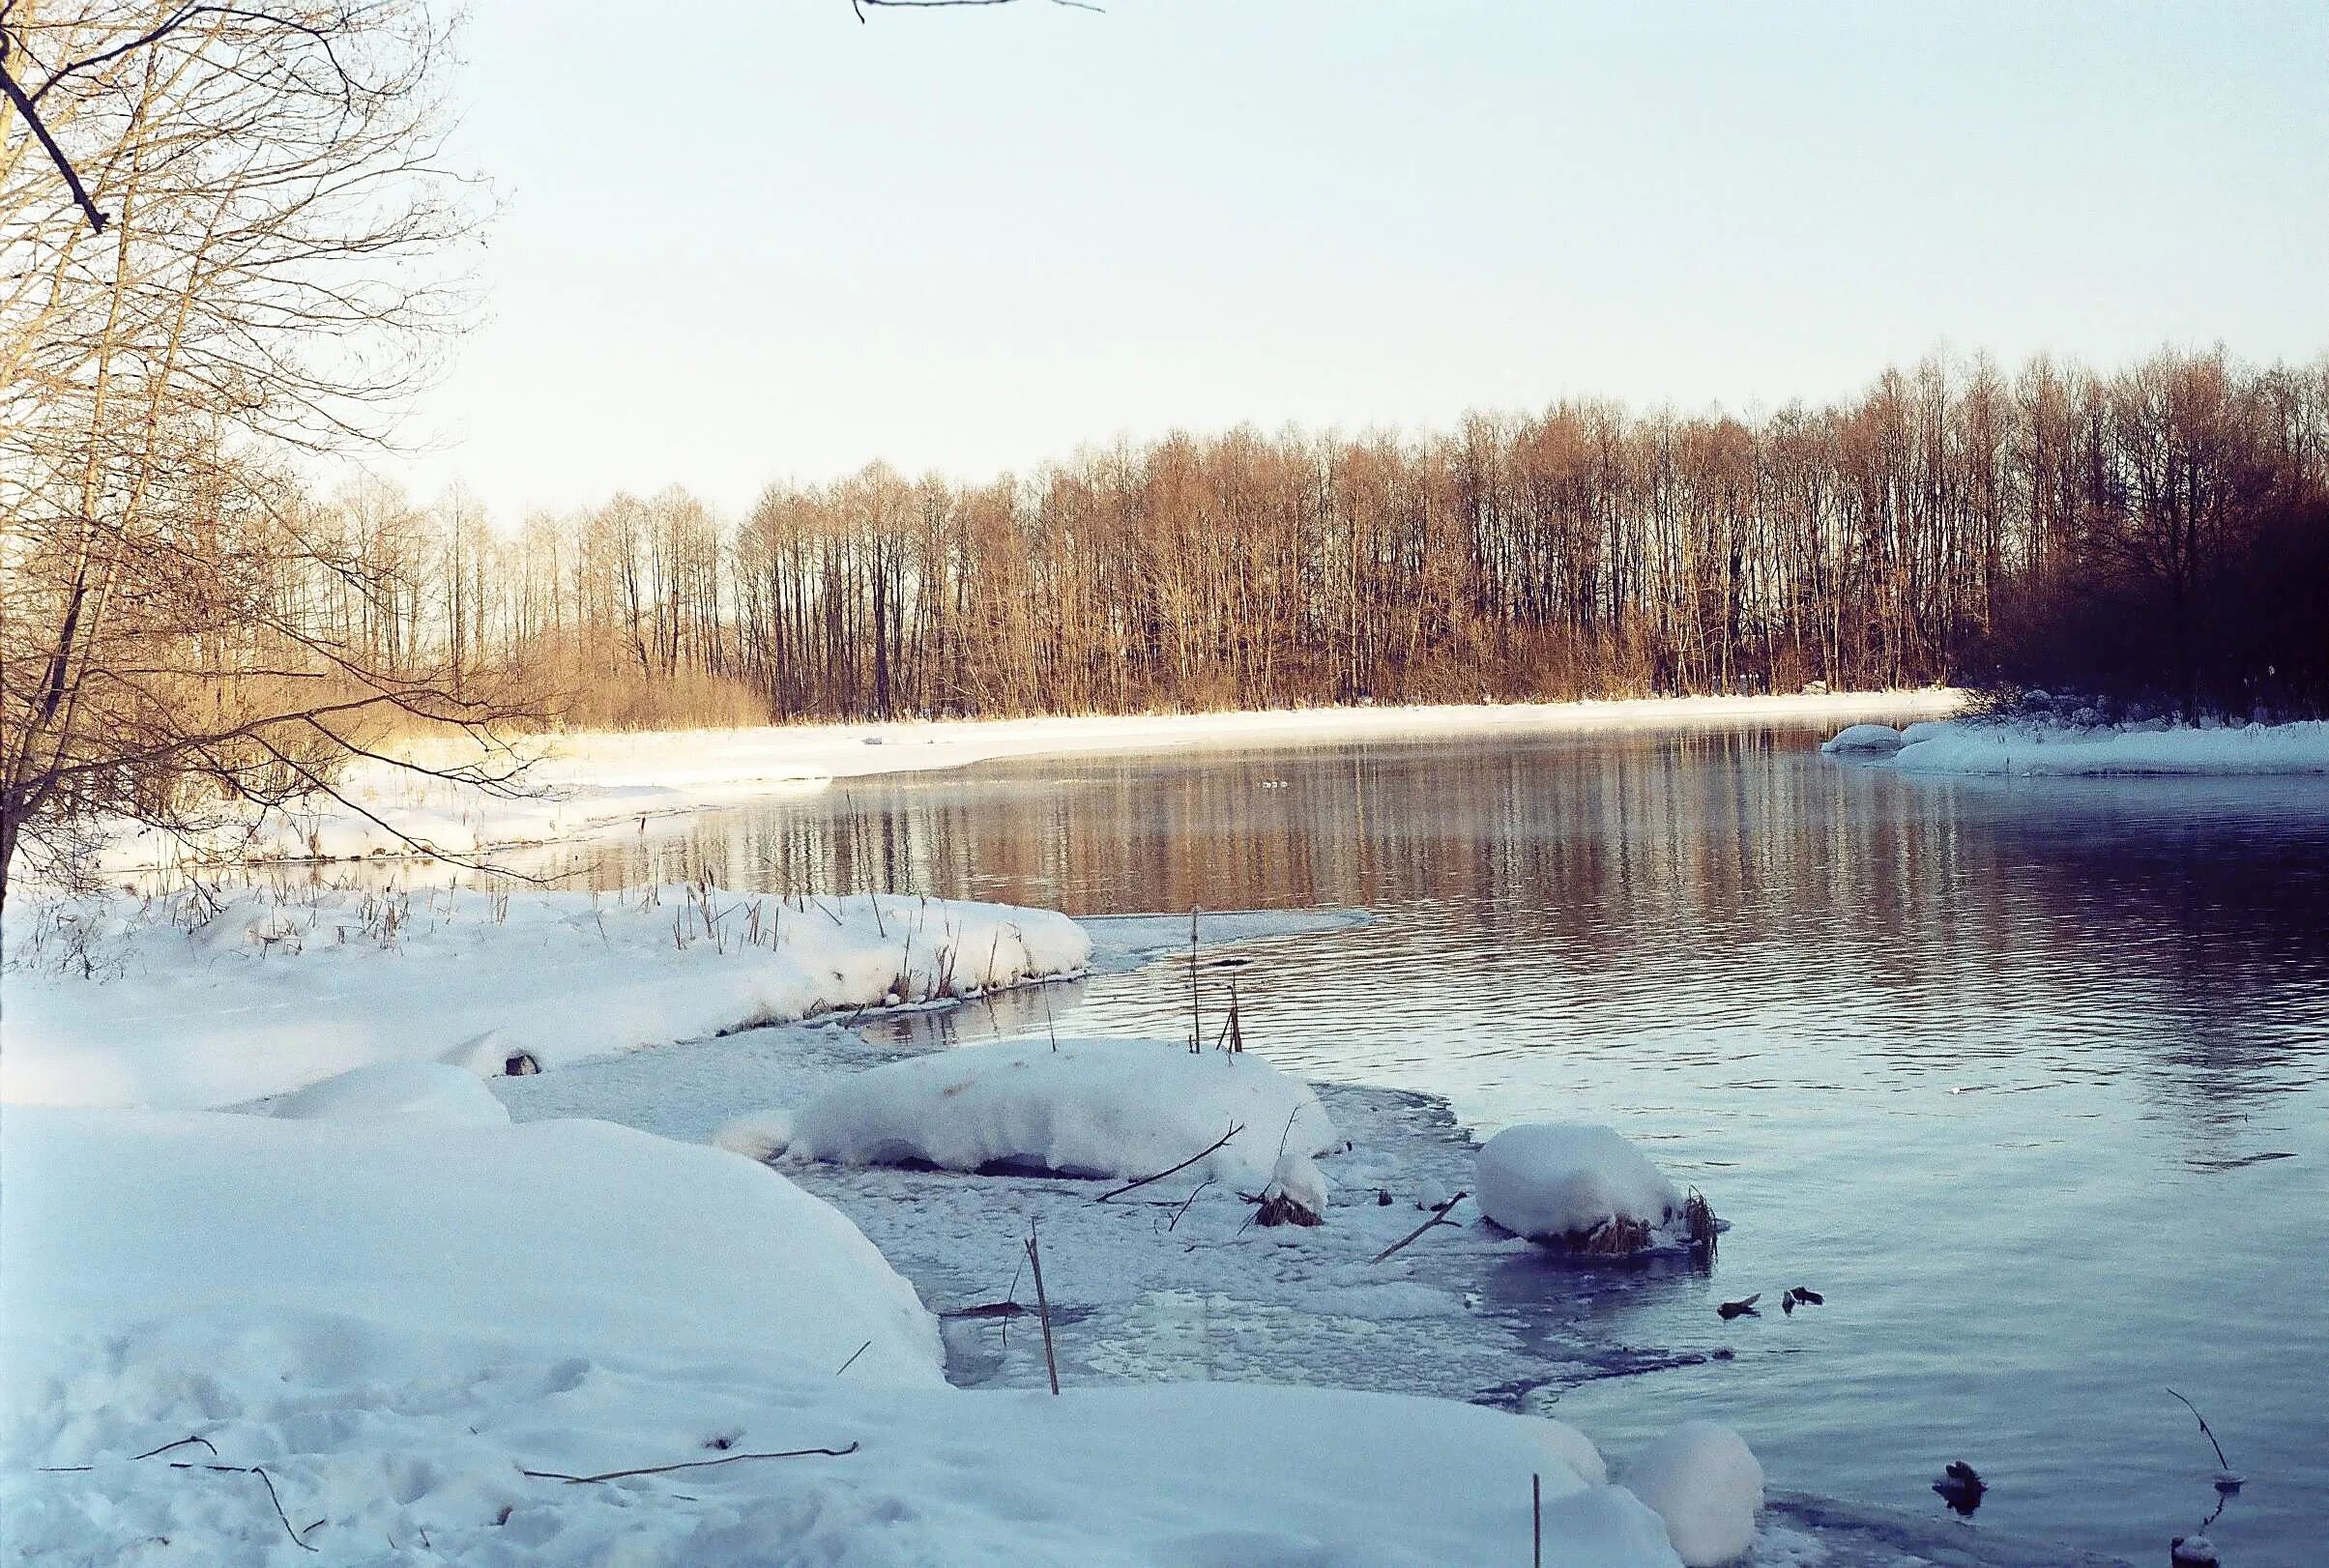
(590, 782)
(359, 1170)
(2044, 745)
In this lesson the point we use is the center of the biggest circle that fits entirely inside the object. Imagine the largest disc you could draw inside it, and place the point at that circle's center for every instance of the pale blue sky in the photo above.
(747, 242)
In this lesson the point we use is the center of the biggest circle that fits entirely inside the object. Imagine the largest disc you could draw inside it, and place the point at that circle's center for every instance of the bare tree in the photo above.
(269, 281)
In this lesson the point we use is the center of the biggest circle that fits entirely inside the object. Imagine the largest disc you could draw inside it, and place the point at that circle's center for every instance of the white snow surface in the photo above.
(397, 1320)
(430, 1091)
(1543, 1179)
(2044, 748)
(584, 783)
(160, 1002)
(1864, 738)
(1707, 1485)
(1119, 1109)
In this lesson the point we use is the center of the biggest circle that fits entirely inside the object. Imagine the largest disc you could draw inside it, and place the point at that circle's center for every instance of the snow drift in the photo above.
(169, 1003)
(1090, 1108)
(418, 1329)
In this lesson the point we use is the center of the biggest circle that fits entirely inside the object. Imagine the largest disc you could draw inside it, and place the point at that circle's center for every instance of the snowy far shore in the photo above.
(585, 783)
(2077, 743)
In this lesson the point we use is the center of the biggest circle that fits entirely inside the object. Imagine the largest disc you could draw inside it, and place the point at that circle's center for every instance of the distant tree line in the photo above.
(2159, 533)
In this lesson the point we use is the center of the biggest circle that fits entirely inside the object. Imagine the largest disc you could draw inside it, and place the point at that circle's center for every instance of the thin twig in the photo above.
(1184, 1205)
(2220, 1462)
(853, 1357)
(1234, 1128)
(1439, 1217)
(690, 1465)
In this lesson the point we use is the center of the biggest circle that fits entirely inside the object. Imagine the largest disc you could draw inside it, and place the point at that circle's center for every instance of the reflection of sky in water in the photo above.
(2029, 1077)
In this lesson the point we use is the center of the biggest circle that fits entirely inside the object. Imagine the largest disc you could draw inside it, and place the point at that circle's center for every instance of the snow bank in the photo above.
(1864, 738)
(1707, 1485)
(399, 1320)
(431, 1090)
(1551, 1181)
(588, 782)
(1090, 1107)
(548, 1233)
(117, 1001)
(2034, 748)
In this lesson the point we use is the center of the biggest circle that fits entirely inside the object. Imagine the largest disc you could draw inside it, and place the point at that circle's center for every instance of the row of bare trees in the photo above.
(1950, 523)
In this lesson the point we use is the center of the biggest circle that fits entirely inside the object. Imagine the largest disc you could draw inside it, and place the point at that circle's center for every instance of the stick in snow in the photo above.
(1035, 1259)
(1184, 1205)
(1234, 1128)
(1439, 1217)
(690, 1465)
(2225, 1480)
(853, 1357)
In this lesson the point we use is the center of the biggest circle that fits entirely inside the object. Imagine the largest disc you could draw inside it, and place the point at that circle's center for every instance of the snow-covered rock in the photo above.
(1702, 1479)
(425, 1090)
(1297, 1180)
(1088, 1107)
(1864, 738)
(1554, 1180)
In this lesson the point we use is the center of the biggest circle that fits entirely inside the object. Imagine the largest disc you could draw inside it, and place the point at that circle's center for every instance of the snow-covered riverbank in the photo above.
(2083, 745)
(398, 1340)
(382, 1307)
(182, 1002)
(587, 783)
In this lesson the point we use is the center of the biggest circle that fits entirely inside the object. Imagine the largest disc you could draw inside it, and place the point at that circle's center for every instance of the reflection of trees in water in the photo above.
(1724, 871)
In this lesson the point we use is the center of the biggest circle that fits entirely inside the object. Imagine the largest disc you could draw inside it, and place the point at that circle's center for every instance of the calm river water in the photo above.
(2030, 1079)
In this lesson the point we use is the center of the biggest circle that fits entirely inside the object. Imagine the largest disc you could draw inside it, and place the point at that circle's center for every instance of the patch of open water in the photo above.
(2028, 1078)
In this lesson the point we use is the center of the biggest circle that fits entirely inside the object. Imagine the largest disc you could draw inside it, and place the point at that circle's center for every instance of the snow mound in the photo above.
(1702, 1479)
(1868, 738)
(427, 1090)
(545, 1230)
(1089, 1108)
(1558, 1181)
(1573, 1448)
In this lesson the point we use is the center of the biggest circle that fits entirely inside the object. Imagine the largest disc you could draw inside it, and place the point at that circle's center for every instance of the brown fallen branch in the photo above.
(687, 1465)
(183, 1443)
(1235, 1127)
(265, 1479)
(1439, 1217)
